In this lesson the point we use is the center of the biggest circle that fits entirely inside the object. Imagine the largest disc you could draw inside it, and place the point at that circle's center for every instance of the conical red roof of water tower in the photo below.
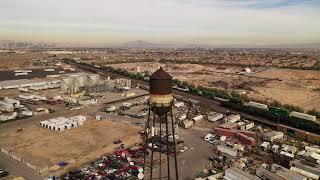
(161, 74)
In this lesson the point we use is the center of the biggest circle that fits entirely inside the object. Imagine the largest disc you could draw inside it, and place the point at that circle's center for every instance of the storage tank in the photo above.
(94, 79)
(66, 84)
(160, 92)
(82, 80)
(75, 87)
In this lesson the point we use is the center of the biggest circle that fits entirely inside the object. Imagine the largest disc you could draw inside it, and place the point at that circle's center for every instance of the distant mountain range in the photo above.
(145, 44)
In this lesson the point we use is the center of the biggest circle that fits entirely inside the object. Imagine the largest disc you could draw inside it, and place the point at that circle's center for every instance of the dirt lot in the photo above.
(296, 87)
(79, 145)
(15, 61)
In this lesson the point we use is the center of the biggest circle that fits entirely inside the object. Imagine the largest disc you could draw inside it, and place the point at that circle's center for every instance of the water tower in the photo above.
(160, 127)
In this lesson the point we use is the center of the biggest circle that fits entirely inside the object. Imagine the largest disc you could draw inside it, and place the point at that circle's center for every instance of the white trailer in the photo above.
(224, 149)
(215, 117)
(187, 124)
(246, 126)
(232, 118)
(197, 118)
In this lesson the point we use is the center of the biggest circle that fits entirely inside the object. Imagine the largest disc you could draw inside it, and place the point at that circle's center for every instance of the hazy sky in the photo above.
(176, 21)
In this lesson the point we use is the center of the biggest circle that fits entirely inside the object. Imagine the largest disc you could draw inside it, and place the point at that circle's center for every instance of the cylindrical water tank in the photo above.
(161, 91)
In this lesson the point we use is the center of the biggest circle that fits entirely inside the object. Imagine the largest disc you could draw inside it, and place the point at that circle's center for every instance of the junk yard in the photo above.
(79, 120)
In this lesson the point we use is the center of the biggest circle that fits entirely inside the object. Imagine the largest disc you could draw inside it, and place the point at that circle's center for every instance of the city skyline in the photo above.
(209, 22)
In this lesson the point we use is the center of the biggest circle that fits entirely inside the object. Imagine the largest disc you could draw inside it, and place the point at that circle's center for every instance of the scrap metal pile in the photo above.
(122, 164)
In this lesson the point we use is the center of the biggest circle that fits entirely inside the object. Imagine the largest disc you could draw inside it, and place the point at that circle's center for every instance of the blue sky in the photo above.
(173, 21)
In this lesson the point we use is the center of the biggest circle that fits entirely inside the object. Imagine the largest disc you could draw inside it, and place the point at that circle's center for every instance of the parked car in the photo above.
(117, 141)
(208, 137)
(3, 173)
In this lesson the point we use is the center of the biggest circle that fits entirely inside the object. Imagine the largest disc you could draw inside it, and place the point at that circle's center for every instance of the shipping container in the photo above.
(314, 138)
(282, 128)
(301, 135)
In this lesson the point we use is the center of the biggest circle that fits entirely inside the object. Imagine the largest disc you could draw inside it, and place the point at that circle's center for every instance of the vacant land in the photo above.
(78, 146)
(296, 87)
(288, 86)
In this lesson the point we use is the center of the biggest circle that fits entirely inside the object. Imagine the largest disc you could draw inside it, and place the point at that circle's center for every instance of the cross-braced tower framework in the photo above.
(160, 118)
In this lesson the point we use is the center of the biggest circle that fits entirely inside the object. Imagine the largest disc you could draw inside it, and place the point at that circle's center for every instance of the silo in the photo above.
(75, 85)
(161, 91)
(80, 77)
(82, 80)
(94, 78)
(65, 84)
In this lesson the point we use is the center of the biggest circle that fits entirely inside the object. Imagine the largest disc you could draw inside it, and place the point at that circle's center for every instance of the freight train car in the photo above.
(299, 134)
(294, 119)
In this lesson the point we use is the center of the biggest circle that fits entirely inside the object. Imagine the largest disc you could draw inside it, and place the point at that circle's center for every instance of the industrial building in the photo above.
(72, 83)
(62, 123)
(30, 83)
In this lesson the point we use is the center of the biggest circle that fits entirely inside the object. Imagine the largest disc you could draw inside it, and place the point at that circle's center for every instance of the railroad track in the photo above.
(203, 101)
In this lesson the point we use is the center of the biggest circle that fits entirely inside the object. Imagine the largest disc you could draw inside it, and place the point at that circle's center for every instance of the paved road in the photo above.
(17, 169)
